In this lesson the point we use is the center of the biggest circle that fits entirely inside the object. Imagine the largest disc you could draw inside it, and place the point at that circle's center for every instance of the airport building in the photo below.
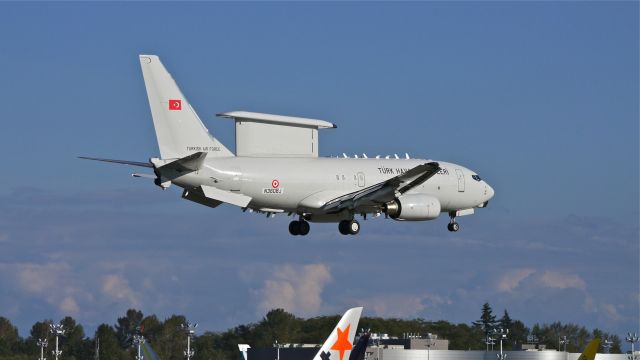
(413, 347)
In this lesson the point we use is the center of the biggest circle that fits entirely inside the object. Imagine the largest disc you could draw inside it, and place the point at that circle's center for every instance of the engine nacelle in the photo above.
(414, 207)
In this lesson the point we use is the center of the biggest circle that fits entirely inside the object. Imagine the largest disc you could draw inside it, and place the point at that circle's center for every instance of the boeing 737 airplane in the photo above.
(276, 168)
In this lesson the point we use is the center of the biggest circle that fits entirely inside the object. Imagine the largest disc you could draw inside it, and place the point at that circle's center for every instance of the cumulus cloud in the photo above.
(69, 306)
(511, 279)
(118, 289)
(560, 280)
(297, 289)
(402, 305)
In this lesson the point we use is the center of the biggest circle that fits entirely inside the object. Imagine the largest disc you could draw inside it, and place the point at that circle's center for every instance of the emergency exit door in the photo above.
(460, 176)
(361, 181)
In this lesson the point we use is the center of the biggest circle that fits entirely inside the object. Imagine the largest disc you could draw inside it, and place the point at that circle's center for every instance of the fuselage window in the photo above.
(476, 177)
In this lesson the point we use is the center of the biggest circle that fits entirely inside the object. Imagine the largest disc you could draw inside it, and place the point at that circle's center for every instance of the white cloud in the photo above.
(611, 312)
(401, 305)
(296, 289)
(69, 306)
(117, 287)
(560, 280)
(511, 279)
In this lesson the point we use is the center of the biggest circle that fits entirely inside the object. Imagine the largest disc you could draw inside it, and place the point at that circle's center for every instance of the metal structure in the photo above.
(606, 344)
(489, 341)
(189, 328)
(562, 340)
(632, 338)
(431, 340)
(277, 346)
(502, 336)
(138, 340)
(42, 343)
(57, 330)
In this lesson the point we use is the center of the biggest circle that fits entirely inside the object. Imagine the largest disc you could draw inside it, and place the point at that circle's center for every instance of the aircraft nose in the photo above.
(488, 192)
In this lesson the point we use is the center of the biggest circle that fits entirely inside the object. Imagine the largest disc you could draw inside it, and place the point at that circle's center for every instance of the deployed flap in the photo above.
(385, 191)
(197, 195)
(267, 135)
(226, 196)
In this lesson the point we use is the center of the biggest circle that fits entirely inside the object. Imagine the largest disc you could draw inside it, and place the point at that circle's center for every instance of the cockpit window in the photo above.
(476, 177)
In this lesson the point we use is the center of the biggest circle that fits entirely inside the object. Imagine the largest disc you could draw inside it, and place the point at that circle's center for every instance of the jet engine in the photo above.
(413, 207)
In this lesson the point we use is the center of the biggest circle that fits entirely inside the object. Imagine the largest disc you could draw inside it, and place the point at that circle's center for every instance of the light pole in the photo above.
(489, 341)
(632, 338)
(563, 341)
(43, 344)
(190, 329)
(138, 340)
(57, 330)
(606, 344)
(277, 346)
(502, 335)
(431, 340)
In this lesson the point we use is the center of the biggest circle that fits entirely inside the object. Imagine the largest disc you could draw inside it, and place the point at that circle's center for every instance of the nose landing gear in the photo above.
(453, 225)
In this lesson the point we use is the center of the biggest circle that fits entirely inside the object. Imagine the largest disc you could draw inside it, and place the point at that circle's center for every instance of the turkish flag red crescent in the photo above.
(175, 104)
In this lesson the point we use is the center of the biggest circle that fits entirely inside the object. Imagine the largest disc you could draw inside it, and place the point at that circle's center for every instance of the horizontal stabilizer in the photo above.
(188, 163)
(126, 162)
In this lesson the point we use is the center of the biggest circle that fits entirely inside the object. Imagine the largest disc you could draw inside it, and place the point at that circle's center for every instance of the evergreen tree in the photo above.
(128, 325)
(487, 320)
(505, 321)
(9, 340)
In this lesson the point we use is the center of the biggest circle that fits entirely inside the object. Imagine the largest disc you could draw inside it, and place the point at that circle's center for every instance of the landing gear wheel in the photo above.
(303, 227)
(354, 227)
(453, 227)
(294, 228)
(343, 227)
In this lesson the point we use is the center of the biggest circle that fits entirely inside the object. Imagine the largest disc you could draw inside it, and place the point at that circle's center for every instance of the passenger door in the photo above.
(460, 176)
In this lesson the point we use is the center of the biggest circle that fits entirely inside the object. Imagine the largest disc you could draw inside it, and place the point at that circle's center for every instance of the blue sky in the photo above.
(540, 98)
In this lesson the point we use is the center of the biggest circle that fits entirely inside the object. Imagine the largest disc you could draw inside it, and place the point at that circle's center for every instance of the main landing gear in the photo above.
(299, 227)
(349, 227)
(453, 225)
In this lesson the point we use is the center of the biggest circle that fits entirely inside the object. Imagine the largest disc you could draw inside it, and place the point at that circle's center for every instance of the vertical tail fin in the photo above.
(591, 350)
(339, 344)
(178, 128)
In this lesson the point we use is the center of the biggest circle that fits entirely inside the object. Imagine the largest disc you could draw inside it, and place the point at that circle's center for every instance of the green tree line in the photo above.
(113, 342)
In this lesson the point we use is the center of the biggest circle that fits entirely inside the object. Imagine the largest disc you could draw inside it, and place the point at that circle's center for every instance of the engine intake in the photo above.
(413, 207)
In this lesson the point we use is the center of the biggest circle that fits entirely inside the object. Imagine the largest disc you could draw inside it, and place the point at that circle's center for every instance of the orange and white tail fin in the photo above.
(339, 344)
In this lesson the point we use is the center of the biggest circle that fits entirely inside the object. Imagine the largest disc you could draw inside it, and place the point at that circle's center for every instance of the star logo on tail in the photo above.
(342, 344)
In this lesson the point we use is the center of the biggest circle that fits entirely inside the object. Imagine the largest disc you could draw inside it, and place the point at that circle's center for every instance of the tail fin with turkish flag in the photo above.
(339, 344)
(179, 130)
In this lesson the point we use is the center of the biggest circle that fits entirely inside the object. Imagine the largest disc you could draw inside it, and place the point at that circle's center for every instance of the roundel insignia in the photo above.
(275, 183)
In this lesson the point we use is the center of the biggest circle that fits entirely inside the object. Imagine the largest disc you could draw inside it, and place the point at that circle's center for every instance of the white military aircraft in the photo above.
(276, 168)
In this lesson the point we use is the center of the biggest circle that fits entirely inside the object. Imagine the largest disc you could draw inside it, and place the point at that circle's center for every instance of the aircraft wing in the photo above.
(384, 191)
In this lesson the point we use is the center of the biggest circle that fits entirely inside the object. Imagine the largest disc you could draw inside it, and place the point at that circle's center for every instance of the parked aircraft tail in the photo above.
(179, 130)
(590, 351)
(339, 344)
